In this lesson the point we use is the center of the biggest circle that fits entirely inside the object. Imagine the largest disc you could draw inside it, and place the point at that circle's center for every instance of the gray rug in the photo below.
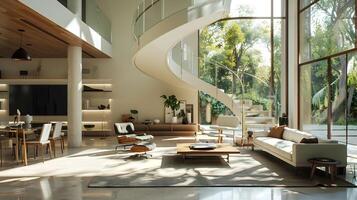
(249, 169)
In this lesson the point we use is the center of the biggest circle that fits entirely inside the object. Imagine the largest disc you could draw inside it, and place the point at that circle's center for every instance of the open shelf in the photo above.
(96, 91)
(96, 110)
(97, 130)
(24, 81)
(97, 81)
(19, 81)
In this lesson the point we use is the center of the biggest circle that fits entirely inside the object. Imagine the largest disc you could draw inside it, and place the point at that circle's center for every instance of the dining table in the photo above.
(20, 133)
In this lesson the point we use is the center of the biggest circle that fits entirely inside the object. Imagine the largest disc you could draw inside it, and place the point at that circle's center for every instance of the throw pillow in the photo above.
(129, 129)
(276, 132)
(312, 140)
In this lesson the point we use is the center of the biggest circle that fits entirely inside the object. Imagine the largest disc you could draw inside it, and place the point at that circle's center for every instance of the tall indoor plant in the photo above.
(173, 103)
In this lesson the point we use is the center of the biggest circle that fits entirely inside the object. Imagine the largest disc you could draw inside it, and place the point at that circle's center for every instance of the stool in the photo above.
(142, 148)
(329, 164)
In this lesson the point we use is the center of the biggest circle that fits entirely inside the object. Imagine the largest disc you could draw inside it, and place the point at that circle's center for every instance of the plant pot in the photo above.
(189, 117)
(184, 120)
(174, 120)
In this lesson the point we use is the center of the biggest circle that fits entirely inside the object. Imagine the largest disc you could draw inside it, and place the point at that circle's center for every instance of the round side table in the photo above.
(329, 164)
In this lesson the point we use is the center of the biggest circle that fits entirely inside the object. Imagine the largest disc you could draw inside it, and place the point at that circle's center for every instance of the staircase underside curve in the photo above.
(155, 45)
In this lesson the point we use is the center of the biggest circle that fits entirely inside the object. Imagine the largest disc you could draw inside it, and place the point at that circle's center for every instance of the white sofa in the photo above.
(290, 150)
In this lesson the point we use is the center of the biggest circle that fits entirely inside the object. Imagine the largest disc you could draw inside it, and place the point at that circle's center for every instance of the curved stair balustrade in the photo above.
(159, 25)
(159, 35)
(253, 116)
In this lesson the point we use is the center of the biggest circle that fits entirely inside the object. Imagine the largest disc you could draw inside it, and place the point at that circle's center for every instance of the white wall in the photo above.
(293, 64)
(131, 88)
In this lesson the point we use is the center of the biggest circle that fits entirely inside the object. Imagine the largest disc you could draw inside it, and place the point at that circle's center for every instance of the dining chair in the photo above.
(2, 140)
(43, 141)
(57, 136)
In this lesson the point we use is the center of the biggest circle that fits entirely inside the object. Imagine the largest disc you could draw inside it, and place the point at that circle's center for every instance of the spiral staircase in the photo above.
(160, 25)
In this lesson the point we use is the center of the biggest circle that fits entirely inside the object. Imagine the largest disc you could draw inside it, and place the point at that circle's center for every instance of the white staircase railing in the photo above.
(183, 62)
(150, 13)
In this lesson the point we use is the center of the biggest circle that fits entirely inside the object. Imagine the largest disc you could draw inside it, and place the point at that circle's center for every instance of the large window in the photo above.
(327, 22)
(327, 69)
(314, 98)
(245, 56)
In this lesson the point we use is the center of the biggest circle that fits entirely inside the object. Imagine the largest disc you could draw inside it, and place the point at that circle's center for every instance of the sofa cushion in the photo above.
(289, 133)
(281, 147)
(312, 140)
(129, 129)
(295, 135)
(276, 132)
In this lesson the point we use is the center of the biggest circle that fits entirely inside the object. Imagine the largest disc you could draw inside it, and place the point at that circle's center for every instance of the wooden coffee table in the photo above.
(222, 149)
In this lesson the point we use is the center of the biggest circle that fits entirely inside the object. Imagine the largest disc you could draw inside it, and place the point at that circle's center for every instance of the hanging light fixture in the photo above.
(21, 53)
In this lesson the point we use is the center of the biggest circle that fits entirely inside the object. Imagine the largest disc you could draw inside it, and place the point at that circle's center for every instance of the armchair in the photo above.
(127, 136)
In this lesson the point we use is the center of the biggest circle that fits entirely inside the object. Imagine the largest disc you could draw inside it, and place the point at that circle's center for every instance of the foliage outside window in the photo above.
(243, 44)
(328, 69)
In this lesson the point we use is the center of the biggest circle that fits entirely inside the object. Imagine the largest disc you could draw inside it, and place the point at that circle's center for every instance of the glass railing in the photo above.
(94, 17)
(253, 107)
(151, 12)
(235, 84)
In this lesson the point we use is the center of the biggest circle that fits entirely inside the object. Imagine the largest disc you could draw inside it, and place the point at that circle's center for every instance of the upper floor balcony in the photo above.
(93, 16)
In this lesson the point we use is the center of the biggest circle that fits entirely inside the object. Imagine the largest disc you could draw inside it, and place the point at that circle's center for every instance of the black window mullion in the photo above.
(346, 100)
(272, 71)
(329, 95)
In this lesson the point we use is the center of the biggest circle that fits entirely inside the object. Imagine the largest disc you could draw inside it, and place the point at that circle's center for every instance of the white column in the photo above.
(283, 74)
(293, 64)
(74, 96)
(76, 7)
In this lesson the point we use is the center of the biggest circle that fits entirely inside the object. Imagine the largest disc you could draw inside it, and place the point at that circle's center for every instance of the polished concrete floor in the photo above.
(50, 180)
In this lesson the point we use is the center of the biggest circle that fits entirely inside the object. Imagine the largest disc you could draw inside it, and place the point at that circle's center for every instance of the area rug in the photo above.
(249, 169)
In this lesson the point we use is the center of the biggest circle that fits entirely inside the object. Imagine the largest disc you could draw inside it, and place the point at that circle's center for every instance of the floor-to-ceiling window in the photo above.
(245, 56)
(327, 69)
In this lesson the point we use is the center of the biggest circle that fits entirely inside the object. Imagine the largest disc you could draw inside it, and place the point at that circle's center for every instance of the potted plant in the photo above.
(183, 115)
(173, 103)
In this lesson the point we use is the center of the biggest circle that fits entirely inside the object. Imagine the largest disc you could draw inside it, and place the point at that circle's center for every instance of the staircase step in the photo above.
(245, 102)
(260, 120)
(257, 108)
(249, 113)
(259, 126)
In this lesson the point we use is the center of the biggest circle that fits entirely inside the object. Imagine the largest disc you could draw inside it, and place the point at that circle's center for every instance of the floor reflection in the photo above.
(68, 183)
(74, 188)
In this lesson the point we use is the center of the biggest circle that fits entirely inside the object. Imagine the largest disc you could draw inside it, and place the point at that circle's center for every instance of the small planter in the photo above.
(174, 120)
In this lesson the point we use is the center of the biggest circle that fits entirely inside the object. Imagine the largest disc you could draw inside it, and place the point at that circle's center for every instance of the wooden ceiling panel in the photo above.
(42, 38)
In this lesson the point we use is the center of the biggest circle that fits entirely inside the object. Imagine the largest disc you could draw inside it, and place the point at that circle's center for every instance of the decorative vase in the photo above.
(174, 120)
(87, 104)
(28, 120)
(189, 118)
(208, 113)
